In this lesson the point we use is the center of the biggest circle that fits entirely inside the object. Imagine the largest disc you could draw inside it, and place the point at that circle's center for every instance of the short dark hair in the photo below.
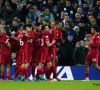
(37, 24)
(57, 22)
(19, 25)
(7, 29)
(96, 28)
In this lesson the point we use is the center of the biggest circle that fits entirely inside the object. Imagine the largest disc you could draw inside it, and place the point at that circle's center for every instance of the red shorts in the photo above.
(5, 58)
(44, 58)
(92, 58)
(23, 58)
(52, 52)
(29, 56)
(35, 56)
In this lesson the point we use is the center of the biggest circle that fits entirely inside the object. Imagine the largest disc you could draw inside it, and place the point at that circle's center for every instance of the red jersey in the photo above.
(58, 34)
(43, 45)
(30, 41)
(23, 42)
(53, 37)
(95, 42)
(5, 39)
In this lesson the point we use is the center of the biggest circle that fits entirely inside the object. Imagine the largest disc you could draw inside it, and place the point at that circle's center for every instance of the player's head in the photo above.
(45, 27)
(95, 29)
(20, 26)
(26, 27)
(7, 31)
(58, 25)
(30, 26)
(36, 26)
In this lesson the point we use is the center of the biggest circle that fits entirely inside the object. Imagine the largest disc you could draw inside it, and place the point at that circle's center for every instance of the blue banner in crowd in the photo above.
(71, 73)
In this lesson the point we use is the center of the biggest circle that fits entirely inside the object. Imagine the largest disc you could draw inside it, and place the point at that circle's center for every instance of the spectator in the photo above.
(77, 19)
(47, 15)
(83, 16)
(20, 13)
(83, 29)
(85, 9)
(80, 54)
(13, 58)
(66, 19)
(32, 14)
(90, 12)
(67, 27)
(78, 44)
(62, 16)
(77, 36)
(39, 3)
(2, 23)
(98, 20)
(61, 5)
(4, 8)
(75, 6)
(50, 4)
(8, 15)
(14, 26)
(36, 11)
(14, 4)
(55, 12)
(87, 40)
(68, 9)
(41, 19)
(28, 20)
(96, 9)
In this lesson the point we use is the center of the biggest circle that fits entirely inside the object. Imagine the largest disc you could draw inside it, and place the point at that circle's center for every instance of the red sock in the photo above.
(2, 76)
(7, 75)
(16, 67)
(28, 68)
(26, 72)
(38, 72)
(20, 69)
(54, 71)
(48, 74)
(45, 69)
(86, 74)
(33, 69)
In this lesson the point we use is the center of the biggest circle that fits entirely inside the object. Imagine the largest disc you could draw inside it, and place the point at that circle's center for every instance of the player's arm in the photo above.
(5, 44)
(50, 44)
(15, 38)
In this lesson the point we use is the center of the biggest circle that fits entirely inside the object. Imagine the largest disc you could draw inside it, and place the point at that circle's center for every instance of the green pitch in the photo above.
(61, 85)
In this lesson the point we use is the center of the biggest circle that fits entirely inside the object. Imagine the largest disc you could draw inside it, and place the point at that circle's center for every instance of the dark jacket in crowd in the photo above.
(80, 55)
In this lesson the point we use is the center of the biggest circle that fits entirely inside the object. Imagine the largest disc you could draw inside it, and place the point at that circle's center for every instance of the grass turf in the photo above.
(61, 85)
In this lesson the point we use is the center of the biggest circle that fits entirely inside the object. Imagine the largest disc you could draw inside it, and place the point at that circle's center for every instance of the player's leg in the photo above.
(2, 72)
(47, 66)
(95, 62)
(53, 68)
(2, 66)
(88, 61)
(8, 62)
(7, 71)
(40, 65)
(34, 60)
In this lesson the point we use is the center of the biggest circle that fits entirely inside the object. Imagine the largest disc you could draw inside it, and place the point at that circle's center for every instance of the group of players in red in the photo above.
(37, 47)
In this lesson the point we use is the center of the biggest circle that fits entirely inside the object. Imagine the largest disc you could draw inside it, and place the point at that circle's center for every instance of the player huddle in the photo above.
(37, 47)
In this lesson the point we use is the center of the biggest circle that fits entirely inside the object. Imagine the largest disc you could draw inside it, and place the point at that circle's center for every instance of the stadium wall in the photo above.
(71, 73)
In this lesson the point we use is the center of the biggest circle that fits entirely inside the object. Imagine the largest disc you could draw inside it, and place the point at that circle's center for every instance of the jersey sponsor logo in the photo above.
(93, 59)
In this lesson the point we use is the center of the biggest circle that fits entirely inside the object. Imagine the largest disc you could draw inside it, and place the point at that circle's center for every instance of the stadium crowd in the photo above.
(76, 17)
